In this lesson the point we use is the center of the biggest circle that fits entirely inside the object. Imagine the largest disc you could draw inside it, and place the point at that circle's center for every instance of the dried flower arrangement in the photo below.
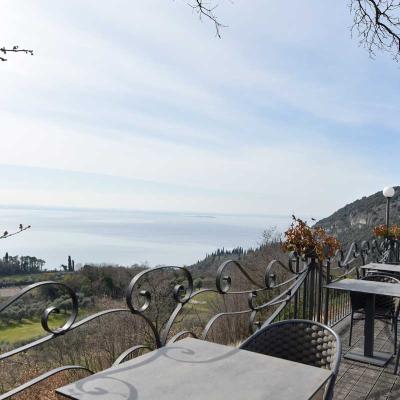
(309, 242)
(382, 231)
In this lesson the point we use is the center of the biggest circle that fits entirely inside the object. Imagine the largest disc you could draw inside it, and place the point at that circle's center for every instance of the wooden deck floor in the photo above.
(362, 381)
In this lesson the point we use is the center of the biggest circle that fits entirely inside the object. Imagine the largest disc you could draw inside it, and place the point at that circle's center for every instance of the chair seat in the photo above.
(302, 341)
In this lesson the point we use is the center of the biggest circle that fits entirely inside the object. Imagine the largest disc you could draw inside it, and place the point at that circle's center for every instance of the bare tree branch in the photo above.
(206, 9)
(377, 24)
(14, 49)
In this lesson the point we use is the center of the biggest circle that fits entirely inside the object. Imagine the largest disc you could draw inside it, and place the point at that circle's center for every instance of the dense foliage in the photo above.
(12, 265)
(308, 241)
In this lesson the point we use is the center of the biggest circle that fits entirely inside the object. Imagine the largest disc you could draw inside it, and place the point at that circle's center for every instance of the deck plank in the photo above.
(359, 381)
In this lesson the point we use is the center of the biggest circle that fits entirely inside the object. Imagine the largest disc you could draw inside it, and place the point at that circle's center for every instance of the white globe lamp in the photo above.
(388, 192)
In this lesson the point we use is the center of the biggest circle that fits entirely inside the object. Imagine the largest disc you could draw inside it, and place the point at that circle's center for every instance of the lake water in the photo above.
(128, 237)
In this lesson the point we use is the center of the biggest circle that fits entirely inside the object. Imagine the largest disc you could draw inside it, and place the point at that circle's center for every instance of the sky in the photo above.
(138, 105)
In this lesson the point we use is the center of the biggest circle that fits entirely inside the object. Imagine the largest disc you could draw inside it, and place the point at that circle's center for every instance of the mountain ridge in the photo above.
(355, 221)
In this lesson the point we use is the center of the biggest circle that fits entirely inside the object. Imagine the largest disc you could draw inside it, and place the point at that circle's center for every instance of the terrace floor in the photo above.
(362, 381)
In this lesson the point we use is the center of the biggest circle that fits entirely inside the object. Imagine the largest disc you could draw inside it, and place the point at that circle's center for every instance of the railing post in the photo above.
(296, 296)
(305, 296)
(311, 266)
(320, 292)
(328, 280)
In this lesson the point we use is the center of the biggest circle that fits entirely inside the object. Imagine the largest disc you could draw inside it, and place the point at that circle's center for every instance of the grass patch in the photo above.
(40, 276)
(28, 330)
(201, 303)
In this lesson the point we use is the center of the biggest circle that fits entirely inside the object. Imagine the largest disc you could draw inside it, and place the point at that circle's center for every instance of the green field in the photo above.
(41, 276)
(28, 330)
(201, 303)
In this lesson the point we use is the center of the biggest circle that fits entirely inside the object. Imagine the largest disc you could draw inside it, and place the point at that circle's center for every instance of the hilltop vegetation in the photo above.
(13, 265)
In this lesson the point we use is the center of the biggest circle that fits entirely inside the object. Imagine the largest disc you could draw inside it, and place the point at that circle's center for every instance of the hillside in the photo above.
(355, 221)
(204, 271)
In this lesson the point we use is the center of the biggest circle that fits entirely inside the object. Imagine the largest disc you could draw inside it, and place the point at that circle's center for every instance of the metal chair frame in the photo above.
(265, 330)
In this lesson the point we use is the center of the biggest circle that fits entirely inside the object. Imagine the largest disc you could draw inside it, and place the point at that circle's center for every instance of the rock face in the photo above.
(355, 221)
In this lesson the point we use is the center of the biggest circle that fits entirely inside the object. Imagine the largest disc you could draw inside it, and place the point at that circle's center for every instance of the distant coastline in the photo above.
(127, 237)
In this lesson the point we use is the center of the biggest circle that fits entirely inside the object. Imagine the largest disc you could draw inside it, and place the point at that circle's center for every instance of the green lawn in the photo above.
(28, 330)
(201, 303)
(40, 276)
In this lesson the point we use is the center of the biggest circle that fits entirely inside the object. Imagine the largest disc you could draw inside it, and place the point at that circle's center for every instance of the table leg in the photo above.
(368, 355)
(369, 325)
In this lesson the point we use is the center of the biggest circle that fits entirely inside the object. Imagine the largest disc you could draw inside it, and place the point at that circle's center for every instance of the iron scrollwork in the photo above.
(50, 310)
(283, 282)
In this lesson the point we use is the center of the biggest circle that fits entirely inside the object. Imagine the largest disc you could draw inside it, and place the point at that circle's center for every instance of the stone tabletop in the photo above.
(363, 286)
(382, 267)
(193, 369)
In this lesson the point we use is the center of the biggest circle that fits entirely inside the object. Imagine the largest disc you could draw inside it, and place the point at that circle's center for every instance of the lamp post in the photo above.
(388, 192)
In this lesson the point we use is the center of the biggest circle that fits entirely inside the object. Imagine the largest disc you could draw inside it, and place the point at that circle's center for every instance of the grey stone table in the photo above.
(370, 289)
(381, 268)
(193, 369)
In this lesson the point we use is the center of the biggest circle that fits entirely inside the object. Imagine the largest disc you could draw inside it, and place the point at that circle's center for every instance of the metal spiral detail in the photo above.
(41, 378)
(282, 293)
(48, 311)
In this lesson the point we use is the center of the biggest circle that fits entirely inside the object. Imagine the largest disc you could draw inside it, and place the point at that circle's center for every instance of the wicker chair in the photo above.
(386, 307)
(302, 341)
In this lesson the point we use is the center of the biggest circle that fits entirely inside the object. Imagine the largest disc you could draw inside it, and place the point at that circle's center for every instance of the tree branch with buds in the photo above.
(21, 229)
(14, 49)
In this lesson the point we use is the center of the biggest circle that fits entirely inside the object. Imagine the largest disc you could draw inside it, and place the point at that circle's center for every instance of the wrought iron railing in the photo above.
(310, 299)
(243, 301)
(390, 251)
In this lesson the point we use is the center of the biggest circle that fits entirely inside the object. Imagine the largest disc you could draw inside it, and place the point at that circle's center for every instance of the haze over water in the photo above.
(128, 237)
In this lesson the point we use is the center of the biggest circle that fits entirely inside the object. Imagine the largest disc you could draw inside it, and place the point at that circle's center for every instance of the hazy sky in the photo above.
(136, 104)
